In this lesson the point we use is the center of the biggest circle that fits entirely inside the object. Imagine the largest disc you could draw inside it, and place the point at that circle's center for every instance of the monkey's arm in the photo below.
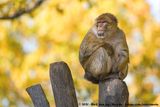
(84, 52)
(87, 47)
(123, 55)
(83, 56)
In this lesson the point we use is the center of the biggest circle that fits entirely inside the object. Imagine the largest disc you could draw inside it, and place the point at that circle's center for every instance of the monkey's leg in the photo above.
(106, 62)
(99, 64)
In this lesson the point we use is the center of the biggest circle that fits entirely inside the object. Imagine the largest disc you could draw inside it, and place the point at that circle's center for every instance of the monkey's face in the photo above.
(105, 24)
(101, 28)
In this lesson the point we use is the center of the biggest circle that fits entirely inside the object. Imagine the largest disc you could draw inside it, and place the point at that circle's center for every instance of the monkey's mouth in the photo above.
(101, 33)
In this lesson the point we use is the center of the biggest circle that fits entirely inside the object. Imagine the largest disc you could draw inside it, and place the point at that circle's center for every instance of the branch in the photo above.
(21, 12)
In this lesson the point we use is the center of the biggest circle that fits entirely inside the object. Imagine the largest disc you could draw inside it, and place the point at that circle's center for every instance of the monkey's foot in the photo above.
(89, 77)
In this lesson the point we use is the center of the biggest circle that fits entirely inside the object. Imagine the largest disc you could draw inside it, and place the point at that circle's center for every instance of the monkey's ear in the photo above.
(115, 20)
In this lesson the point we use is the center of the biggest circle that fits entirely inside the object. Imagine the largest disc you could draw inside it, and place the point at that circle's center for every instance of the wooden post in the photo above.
(37, 95)
(113, 93)
(62, 85)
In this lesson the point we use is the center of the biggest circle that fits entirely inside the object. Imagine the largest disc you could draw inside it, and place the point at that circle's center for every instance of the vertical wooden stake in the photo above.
(62, 85)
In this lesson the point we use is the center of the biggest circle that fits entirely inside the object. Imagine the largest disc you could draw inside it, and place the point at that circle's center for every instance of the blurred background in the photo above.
(35, 33)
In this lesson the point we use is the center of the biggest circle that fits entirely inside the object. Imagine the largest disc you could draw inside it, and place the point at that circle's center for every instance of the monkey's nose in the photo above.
(100, 29)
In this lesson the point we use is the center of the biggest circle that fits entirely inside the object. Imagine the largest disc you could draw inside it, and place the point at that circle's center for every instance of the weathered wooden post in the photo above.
(113, 93)
(37, 95)
(62, 85)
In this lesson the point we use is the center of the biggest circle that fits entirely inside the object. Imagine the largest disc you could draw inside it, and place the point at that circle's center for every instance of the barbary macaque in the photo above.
(104, 52)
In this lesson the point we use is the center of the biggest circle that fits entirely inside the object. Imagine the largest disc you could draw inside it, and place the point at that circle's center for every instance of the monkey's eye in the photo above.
(104, 22)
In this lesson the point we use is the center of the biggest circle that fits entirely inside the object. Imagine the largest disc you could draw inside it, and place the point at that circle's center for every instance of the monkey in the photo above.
(104, 52)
